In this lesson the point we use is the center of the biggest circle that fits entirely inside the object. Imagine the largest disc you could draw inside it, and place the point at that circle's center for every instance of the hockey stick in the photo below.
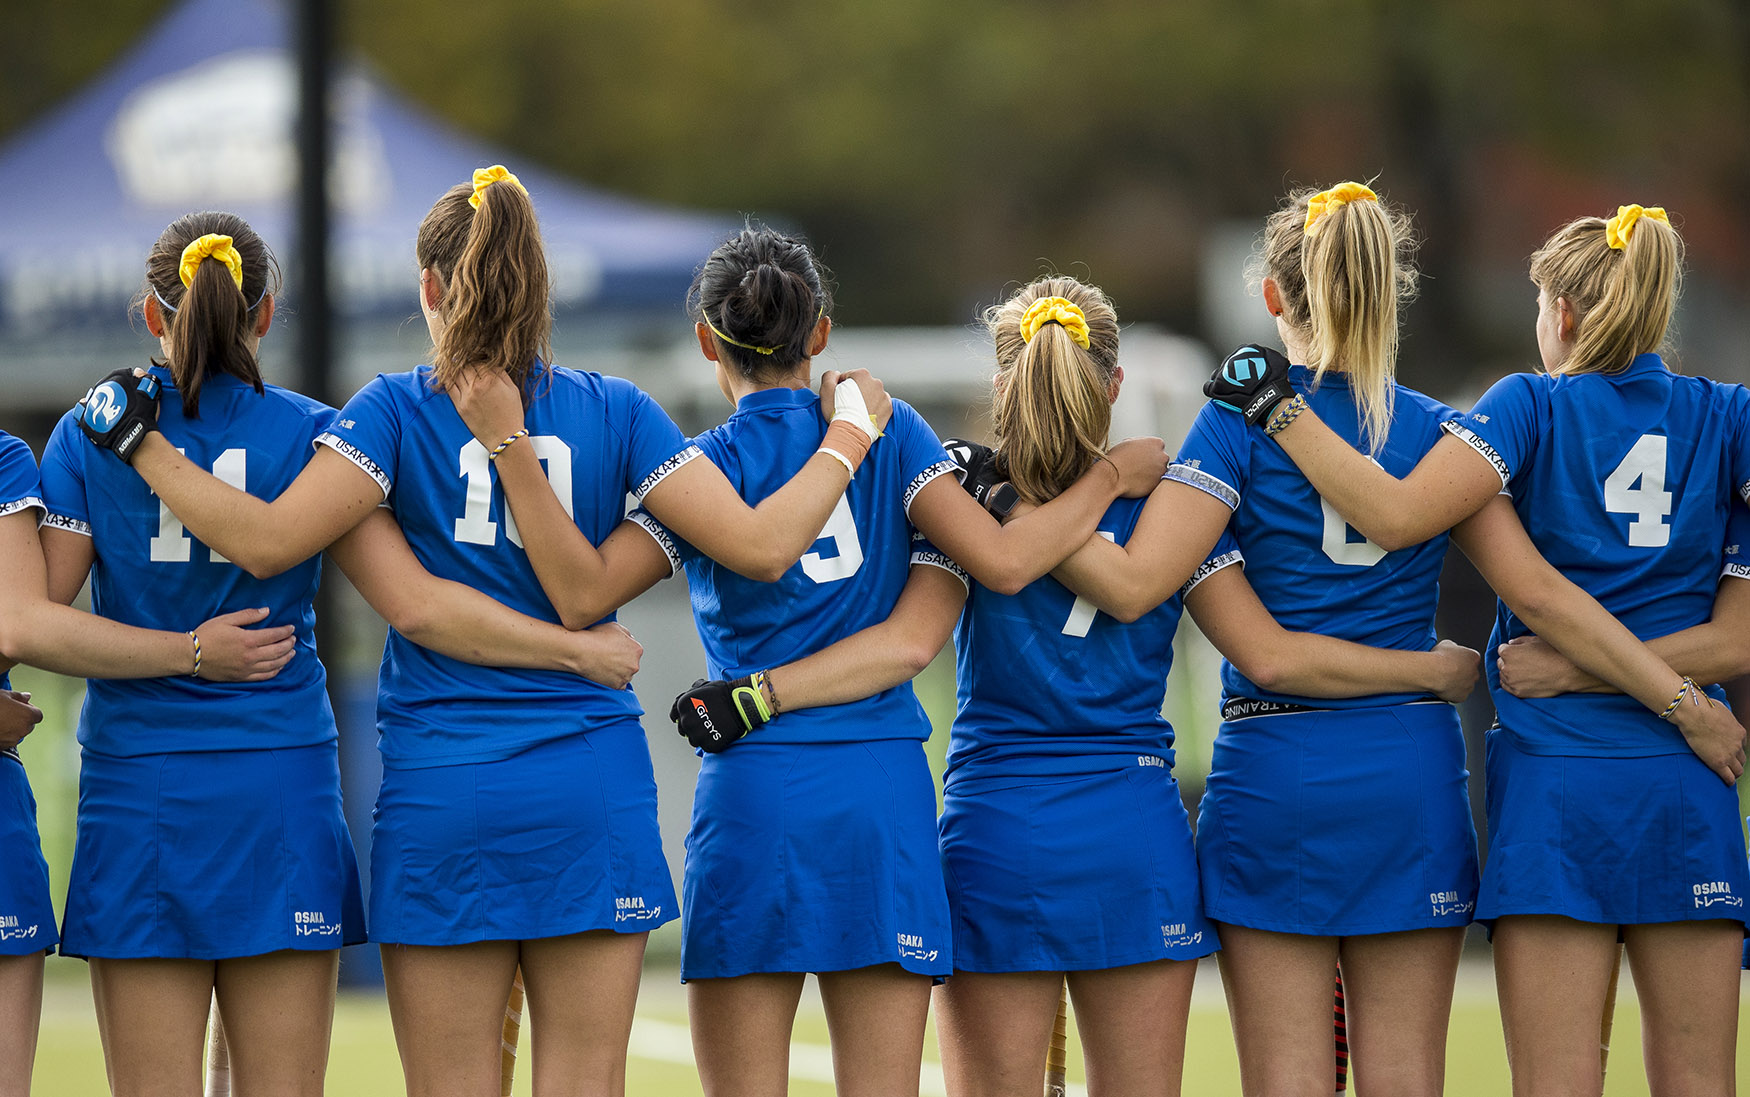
(1340, 1023)
(218, 1055)
(513, 1029)
(1609, 1017)
(1057, 1052)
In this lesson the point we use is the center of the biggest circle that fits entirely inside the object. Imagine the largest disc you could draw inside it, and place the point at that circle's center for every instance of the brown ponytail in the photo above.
(210, 323)
(1050, 403)
(496, 309)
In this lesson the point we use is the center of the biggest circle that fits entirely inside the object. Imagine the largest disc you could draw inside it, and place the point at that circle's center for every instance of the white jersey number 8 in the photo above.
(1650, 503)
(475, 526)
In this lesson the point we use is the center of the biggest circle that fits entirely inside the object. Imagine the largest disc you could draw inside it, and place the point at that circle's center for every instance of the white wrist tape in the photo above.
(840, 458)
(848, 406)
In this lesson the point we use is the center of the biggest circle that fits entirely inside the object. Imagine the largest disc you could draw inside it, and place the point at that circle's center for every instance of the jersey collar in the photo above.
(778, 399)
(1644, 363)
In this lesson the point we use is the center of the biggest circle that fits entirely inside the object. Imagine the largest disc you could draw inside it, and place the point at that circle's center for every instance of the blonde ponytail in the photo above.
(1051, 406)
(1622, 297)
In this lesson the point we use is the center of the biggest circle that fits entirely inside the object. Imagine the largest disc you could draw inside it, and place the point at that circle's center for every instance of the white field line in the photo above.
(667, 1042)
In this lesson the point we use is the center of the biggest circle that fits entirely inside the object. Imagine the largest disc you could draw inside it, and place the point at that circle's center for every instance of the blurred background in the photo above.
(937, 155)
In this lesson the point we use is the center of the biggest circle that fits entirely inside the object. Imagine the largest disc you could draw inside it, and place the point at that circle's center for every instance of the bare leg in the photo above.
(582, 990)
(741, 1032)
(876, 1018)
(1686, 974)
(21, 1014)
(447, 1005)
(1132, 1022)
(1551, 973)
(278, 1011)
(1279, 994)
(993, 1030)
(1399, 997)
(152, 1016)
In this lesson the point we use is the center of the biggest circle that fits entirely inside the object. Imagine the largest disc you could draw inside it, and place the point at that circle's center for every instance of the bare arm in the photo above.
(458, 621)
(880, 656)
(1450, 484)
(1715, 651)
(328, 498)
(1310, 665)
(1556, 609)
(1007, 556)
(1178, 526)
(39, 628)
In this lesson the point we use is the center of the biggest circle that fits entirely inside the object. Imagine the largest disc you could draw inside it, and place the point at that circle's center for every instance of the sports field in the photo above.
(70, 1062)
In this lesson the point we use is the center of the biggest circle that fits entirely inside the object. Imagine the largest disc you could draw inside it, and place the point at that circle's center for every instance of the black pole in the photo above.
(315, 344)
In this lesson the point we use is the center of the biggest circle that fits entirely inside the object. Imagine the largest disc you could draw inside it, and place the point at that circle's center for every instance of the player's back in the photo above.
(599, 439)
(151, 573)
(1312, 570)
(850, 578)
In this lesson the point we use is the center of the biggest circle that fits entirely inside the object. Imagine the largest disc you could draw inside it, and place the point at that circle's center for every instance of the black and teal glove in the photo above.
(1252, 381)
(120, 411)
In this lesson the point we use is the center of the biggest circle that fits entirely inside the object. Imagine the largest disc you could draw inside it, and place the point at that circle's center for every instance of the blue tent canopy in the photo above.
(200, 115)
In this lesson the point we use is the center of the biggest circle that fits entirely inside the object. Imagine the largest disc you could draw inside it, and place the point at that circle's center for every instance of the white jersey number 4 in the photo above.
(1649, 502)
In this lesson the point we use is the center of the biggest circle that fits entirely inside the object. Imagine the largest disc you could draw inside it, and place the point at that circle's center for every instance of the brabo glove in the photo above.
(120, 411)
(981, 474)
(714, 714)
(1252, 381)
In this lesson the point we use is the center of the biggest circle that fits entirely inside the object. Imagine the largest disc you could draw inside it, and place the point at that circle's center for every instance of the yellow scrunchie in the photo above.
(211, 246)
(1327, 201)
(1618, 229)
(1055, 310)
(485, 177)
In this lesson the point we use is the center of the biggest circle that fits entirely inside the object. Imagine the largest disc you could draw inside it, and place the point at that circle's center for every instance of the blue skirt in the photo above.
(27, 919)
(1618, 841)
(1339, 822)
(1072, 873)
(814, 857)
(211, 856)
(559, 839)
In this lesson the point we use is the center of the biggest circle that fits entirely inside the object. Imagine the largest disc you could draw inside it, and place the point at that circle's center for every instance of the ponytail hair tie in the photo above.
(1327, 201)
(1055, 310)
(1620, 228)
(485, 177)
(214, 246)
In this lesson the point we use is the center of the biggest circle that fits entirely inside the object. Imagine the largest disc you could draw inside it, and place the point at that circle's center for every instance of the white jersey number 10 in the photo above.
(475, 526)
(1650, 503)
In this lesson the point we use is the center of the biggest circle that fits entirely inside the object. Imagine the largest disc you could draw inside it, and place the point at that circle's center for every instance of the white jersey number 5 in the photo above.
(1650, 503)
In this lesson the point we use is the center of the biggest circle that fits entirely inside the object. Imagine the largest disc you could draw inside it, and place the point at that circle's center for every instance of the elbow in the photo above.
(265, 565)
(14, 644)
(919, 654)
(1266, 674)
(1005, 578)
(1392, 538)
(1127, 612)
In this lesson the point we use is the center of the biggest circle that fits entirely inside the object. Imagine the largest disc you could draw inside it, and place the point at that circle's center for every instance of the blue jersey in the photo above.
(18, 492)
(599, 439)
(149, 572)
(848, 581)
(1310, 569)
(1048, 685)
(1625, 483)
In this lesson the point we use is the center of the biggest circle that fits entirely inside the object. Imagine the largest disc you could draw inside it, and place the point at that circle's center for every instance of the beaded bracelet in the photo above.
(1286, 412)
(1682, 692)
(196, 672)
(507, 443)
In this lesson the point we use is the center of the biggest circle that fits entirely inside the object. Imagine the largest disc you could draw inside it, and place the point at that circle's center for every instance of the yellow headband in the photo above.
(1055, 310)
(1618, 229)
(1327, 201)
(211, 246)
(737, 342)
(485, 177)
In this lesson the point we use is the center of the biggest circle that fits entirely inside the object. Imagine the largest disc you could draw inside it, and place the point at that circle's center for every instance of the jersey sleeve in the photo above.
(1226, 553)
(20, 488)
(928, 555)
(1214, 456)
(1737, 562)
(921, 456)
(1739, 410)
(655, 446)
(367, 432)
(1503, 427)
(63, 479)
(677, 550)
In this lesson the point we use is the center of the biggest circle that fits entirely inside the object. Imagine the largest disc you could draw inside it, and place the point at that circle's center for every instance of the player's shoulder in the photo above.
(15, 454)
(1412, 402)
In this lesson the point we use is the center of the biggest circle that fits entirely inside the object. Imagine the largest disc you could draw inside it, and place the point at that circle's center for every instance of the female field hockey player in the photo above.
(485, 854)
(767, 900)
(1059, 756)
(1336, 830)
(182, 883)
(1603, 820)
